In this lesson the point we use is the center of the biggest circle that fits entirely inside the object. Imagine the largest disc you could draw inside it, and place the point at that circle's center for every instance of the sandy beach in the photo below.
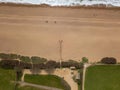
(89, 32)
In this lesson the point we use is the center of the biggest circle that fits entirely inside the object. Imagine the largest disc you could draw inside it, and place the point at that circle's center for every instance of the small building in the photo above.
(77, 76)
(72, 68)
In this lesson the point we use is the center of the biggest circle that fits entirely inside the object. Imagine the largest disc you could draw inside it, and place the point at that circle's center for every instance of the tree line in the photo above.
(13, 60)
(26, 62)
(27, 59)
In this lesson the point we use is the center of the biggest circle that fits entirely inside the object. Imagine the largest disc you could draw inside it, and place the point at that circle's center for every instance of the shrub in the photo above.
(37, 60)
(25, 65)
(19, 72)
(69, 64)
(9, 64)
(84, 60)
(8, 56)
(51, 64)
(109, 60)
(25, 59)
(39, 66)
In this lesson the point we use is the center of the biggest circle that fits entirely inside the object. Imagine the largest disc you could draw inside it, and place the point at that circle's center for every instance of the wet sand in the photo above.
(93, 33)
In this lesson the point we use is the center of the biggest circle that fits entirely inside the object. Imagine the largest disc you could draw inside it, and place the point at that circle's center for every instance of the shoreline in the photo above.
(72, 7)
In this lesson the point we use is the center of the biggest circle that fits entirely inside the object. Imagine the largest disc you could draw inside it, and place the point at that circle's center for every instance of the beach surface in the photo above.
(86, 32)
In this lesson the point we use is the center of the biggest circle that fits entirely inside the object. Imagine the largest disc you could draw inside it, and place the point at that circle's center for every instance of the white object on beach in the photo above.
(67, 2)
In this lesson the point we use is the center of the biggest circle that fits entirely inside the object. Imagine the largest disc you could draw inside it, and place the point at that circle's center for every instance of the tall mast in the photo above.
(60, 52)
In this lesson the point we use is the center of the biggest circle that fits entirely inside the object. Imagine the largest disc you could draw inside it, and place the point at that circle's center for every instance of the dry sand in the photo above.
(94, 33)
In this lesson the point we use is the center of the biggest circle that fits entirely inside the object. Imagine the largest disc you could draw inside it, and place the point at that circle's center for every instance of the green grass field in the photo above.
(101, 77)
(6, 78)
(47, 80)
(6, 81)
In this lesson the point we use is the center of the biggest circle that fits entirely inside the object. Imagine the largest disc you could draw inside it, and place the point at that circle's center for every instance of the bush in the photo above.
(69, 64)
(8, 56)
(19, 72)
(65, 64)
(109, 60)
(25, 65)
(84, 60)
(37, 60)
(9, 64)
(51, 64)
(25, 59)
(39, 66)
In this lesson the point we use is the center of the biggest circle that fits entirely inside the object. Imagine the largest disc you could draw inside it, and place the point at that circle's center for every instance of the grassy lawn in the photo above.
(47, 80)
(6, 78)
(105, 77)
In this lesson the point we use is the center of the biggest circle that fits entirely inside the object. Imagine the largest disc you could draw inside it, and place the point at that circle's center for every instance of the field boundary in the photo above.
(88, 65)
(85, 66)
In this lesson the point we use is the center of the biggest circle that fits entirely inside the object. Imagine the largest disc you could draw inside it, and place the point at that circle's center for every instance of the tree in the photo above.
(13, 56)
(70, 63)
(51, 64)
(4, 56)
(109, 60)
(19, 72)
(84, 60)
(38, 60)
(25, 65)
(25, 59)
(9, 64)
(8, 56)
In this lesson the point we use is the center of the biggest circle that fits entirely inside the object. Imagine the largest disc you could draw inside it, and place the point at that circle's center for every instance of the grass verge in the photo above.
(102, 77)
(7, 76)
(46, 80)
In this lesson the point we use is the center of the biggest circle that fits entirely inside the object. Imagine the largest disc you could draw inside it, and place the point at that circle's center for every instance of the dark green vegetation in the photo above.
(109, 60)
(47, 80)
(26, 62)
(19, 73)
(17, 63)
(84, 60)
(103, 77)
(27, 59)
(37, 60)
(7, 78)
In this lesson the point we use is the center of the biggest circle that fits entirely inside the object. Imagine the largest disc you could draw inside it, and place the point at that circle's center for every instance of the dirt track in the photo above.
(94, 33)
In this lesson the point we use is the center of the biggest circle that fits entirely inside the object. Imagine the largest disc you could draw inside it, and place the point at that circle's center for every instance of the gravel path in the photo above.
(38, 86)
